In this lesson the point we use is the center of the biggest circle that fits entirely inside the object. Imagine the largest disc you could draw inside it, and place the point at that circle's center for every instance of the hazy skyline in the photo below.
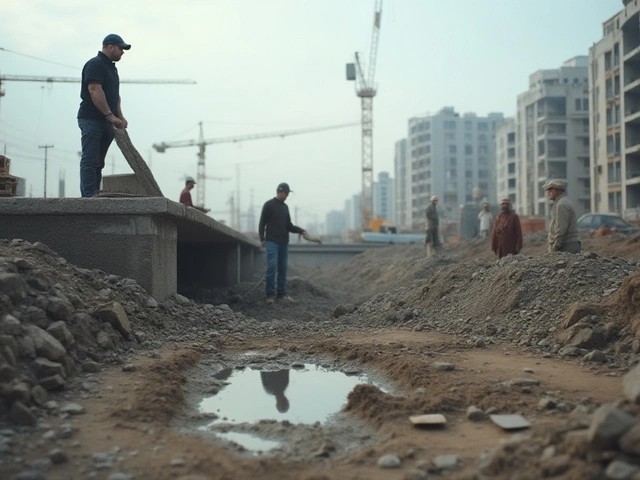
(270, 66)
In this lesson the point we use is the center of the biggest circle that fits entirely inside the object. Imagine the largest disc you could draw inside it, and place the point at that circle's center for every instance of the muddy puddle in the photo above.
(270, 403)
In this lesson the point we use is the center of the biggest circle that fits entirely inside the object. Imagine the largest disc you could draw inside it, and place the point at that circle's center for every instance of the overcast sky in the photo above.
(272, 65)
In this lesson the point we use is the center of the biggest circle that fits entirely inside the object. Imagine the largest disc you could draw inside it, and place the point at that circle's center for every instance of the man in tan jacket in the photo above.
(563, 229)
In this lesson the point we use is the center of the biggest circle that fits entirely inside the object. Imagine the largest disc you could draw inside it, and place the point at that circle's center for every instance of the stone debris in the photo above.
(446, 463)
(443, 366)
(475, 414)
(389, 461)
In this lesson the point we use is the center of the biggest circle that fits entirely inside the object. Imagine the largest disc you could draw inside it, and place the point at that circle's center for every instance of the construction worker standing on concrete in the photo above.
(563, 228)
(506, 238)
(185, 195)
(275, 225)
(486, 217)
(99, 111)
(432, 238)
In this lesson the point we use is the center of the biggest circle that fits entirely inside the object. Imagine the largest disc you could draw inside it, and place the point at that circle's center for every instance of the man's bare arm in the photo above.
(100, 101)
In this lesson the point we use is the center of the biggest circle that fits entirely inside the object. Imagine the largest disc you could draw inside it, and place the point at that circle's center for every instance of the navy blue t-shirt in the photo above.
(103, 71)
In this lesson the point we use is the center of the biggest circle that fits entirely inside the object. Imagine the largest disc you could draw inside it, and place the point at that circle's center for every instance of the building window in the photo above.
(450, 125)
(468, 149)
(467, 124)
(578, 103)
(512, 168)
(512, 183)
(483, 127)
(452, 149)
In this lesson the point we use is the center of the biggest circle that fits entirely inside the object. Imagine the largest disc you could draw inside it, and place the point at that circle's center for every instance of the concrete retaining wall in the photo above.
(159, 243)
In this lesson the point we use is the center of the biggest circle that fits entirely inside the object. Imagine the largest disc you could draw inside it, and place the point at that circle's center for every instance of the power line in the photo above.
(38, 58)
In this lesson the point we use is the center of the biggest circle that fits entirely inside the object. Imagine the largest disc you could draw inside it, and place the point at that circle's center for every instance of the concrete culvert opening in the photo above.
(262, 403)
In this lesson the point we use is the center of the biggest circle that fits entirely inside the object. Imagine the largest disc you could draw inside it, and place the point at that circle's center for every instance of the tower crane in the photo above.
(38, 78)
(366, 89)
(202, 143)
(51, 80)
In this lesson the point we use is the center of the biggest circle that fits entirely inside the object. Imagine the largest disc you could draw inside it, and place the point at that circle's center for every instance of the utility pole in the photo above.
(238, 226)
(46, 150)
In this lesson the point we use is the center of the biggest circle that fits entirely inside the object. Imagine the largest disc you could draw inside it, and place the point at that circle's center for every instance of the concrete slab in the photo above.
(159, 243)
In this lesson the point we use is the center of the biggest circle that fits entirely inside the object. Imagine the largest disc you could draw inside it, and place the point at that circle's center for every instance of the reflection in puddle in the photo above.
(250, 442)
(299, 396)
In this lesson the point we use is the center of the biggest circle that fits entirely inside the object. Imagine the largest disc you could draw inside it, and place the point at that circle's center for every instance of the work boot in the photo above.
(286, 299)
(270, 300)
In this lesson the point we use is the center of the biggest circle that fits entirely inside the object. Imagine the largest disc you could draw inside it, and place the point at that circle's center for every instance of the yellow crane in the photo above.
(366, 89)
(202, 143)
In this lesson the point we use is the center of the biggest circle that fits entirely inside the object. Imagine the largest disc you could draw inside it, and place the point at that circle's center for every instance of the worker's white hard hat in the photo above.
(434, 198)
(189, 179)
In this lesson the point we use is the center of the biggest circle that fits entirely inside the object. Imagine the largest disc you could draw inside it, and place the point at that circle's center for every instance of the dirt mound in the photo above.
(518, 298)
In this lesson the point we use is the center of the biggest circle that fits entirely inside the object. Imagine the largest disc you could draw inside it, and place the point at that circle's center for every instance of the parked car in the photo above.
(594, 221)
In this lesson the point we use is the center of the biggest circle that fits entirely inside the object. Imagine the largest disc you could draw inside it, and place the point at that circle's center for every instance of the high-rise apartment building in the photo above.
(552, 137)
(507, 165)
(614, 87)
(451, 156)
(383, 197)
(402, 190)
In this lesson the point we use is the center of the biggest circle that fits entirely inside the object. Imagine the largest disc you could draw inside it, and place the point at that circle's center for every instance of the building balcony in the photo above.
(633, 85)
(632, 147)
(633, 178)
(632, 115)
(633, 55)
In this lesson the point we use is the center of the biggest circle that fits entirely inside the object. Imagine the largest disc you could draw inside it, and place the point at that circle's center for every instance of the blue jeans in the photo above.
(96, 138)
(277, 256)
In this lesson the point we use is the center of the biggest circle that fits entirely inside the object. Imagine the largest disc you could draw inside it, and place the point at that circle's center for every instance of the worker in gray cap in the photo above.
(563, 229)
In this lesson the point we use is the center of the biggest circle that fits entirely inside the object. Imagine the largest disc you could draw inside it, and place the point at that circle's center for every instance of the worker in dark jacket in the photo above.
(506, 238)
(275, 225)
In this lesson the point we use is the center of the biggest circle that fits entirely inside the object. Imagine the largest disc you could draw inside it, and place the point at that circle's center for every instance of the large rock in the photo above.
(114, 314)
(21, 415)
(7, 372)
(36, 316)
(59, 309)
(630, 441)
(60, 331)
(619, 470)
(13, 286)
(104, 340)
(609, 423)
(9, 342)
(585, 338)
(631, 385)
(10, 325)
(26, 347)
(578, 312)
(46, 345)
(53, 382)
(39, 395)
(47, 368)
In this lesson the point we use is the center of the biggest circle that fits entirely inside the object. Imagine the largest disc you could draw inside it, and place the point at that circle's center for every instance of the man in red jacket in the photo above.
(506, 238)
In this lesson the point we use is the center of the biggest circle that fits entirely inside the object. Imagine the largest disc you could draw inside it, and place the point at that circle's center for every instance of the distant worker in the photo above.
(486, 217)
(563, 228)
(506, 238)
(99, 111)
(275, 225)
(185, 195)
(432, 238)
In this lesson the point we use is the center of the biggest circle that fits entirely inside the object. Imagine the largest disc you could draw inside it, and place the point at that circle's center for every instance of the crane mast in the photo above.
(366, 89)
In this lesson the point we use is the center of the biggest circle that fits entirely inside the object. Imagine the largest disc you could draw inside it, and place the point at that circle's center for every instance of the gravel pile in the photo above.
(518, 298)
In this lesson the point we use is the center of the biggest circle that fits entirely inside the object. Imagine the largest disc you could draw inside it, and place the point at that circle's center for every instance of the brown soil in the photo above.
(132, 409)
